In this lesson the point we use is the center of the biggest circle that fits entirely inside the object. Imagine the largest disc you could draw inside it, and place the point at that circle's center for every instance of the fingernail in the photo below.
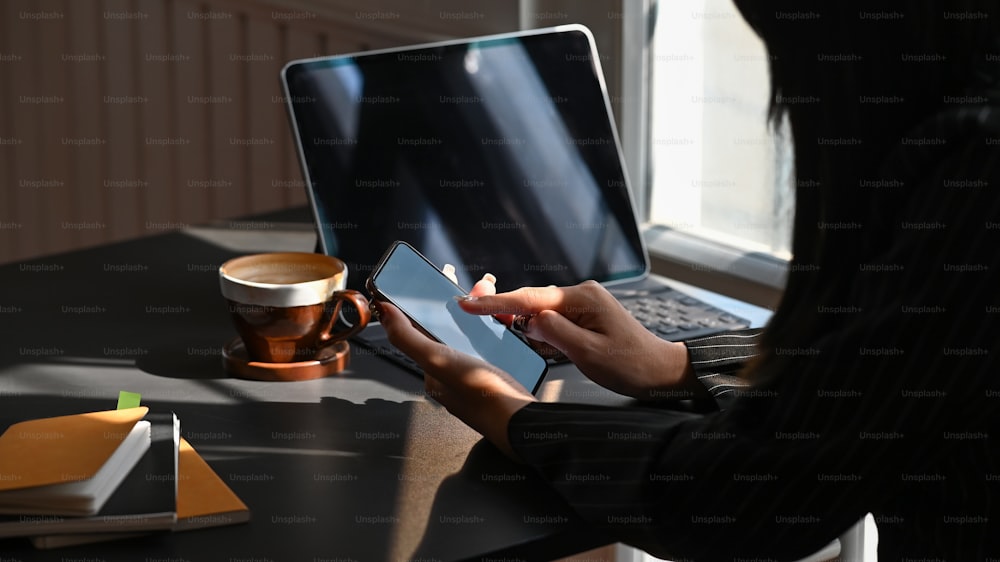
(376, 309)
(465, 298)
(522, 323)
(490, 277)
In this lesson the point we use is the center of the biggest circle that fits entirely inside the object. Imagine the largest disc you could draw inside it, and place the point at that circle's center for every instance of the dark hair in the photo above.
(851, 77)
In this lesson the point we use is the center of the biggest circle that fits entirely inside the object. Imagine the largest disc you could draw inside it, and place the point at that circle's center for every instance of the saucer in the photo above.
(332, 359)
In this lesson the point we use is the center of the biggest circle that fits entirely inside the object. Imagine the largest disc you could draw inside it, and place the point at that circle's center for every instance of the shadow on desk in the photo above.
(514, 482)
(380, 480)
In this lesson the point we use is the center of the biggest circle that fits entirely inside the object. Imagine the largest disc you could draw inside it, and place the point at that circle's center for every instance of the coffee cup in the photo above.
(285, 305)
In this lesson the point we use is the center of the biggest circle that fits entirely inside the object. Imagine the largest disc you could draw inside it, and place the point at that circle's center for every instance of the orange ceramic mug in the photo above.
(285, 304)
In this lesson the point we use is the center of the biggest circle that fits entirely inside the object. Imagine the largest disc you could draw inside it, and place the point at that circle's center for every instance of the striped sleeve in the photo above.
(901, 384)
(717, 358)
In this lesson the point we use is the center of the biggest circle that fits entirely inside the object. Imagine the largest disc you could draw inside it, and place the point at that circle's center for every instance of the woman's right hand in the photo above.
(595, 332)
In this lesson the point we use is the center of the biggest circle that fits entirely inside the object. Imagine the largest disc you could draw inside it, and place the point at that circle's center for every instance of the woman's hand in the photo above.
(481, 395)
(596, 333)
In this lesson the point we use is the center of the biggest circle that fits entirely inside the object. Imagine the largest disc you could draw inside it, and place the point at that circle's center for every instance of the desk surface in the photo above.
(358, 466)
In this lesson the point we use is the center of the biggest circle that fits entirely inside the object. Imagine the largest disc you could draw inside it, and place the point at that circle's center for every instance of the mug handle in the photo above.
(364, 315)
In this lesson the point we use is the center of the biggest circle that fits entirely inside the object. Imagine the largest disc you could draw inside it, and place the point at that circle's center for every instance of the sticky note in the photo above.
(128, 400)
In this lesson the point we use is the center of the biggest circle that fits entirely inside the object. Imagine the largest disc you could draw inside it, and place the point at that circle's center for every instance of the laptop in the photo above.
(495, 154)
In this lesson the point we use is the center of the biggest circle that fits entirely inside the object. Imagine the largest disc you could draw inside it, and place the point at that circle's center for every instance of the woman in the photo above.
(873, 388)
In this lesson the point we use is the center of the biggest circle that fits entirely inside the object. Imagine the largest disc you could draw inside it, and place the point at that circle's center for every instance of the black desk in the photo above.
(354, 467)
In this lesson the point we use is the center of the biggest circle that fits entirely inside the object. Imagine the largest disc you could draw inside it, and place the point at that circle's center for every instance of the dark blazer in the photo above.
(892, 410)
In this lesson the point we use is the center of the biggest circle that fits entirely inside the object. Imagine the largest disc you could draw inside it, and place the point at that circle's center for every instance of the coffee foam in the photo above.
(281, 276)
(282, 279)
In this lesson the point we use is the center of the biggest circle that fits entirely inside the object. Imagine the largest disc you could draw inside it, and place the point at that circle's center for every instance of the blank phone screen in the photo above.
(421, 291)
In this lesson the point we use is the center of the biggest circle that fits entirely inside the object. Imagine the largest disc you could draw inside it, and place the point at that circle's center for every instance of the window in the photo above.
(716, 173)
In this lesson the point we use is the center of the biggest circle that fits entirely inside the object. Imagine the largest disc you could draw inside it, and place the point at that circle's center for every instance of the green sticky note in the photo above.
(128, 400)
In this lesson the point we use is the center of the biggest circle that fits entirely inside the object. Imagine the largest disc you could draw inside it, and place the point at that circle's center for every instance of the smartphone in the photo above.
(420, 290)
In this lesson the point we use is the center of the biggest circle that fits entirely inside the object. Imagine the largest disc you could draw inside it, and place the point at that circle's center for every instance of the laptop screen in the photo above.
(494, 154)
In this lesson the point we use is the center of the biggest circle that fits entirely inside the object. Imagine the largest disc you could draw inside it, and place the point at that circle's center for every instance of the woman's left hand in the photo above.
(481, 395)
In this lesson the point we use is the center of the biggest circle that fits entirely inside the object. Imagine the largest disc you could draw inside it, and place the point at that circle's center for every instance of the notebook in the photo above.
(69, 465)
(146, 500)
(203, 500)
(496, 154)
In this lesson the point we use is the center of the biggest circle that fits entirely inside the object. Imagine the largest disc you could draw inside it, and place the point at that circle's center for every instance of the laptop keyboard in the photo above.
(673, 315)
(669, 314)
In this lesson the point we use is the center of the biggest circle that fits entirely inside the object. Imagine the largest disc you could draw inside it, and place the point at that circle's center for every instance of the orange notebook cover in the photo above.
(36, 455)
(204, 499)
